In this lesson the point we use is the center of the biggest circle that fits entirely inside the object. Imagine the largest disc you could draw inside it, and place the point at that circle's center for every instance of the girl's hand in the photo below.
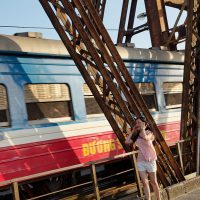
(142, 126)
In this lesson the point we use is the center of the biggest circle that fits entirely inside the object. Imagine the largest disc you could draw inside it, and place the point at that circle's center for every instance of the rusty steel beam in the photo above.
(100, 7)
(131, 19)
(158, 24)
(163, 19)
(154, 23)
(164, 24)
(191, 84)
(89, 44)
(122, 23)
(129, 31)
(105, 78)
(181, 30)
(137, 99)
(175, 3)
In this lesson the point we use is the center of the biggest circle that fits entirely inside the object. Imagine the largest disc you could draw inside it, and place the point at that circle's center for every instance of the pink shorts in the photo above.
(147, 166)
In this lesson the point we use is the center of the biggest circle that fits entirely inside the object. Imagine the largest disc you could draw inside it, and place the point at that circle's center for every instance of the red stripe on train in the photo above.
(27, 159)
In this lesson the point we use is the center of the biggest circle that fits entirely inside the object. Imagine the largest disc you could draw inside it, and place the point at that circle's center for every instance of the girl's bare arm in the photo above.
(147, 135)
(128, 139)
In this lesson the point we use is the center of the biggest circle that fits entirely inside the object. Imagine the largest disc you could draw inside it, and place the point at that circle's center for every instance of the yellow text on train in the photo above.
(100, 146)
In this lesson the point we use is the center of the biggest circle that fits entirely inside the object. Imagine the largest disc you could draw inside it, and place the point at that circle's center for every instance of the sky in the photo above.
(29, 13)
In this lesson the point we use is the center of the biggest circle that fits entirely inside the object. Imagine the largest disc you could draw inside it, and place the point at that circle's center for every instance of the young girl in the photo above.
(146, 160)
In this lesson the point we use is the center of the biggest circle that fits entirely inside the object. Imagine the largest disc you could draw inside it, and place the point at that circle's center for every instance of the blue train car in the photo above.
(47, 112)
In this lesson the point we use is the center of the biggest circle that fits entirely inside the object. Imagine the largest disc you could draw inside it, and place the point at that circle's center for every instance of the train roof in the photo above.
(10, 43)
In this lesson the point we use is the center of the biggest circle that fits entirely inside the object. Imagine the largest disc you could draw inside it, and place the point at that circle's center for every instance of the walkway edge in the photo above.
(181, 188)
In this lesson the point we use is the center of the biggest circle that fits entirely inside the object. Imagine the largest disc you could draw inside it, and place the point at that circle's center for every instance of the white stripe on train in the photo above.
(25, 136)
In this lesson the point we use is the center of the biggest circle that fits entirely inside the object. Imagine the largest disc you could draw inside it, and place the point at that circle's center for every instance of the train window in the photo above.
(148, 93)
(48, 103)
(4, 111)
(92, 107)
(173, 94)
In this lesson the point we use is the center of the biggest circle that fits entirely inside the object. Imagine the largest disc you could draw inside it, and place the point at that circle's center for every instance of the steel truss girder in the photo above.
(190, 117)
(100, 7)
(157, 24)
(175, 3)
(89, 44)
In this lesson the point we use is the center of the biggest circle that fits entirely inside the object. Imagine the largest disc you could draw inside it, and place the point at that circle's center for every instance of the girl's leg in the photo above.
(154, 183)
(145, 183)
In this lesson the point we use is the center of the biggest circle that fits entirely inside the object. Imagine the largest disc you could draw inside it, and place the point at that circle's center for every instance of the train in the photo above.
(49, 118)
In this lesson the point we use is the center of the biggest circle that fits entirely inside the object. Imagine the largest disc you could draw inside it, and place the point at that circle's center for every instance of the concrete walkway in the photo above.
(194, 195)
(186, 190)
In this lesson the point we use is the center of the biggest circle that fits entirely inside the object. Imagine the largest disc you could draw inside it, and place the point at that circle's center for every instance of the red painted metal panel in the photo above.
(171, 132)
(27, 159)
(32, 158)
